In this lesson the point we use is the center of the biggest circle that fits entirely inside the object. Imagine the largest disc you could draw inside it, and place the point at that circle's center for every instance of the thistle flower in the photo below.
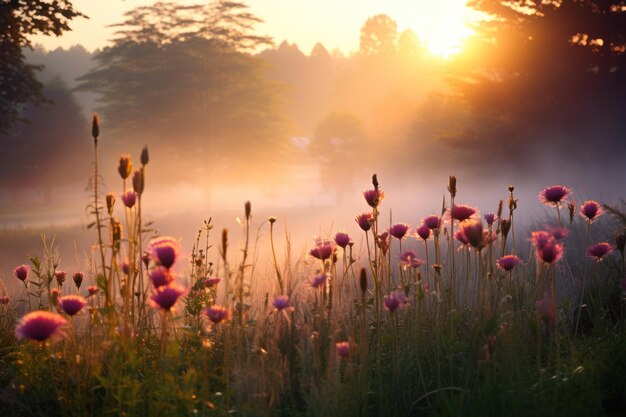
(281, 302)
(554, 195)
(410, 260)
(92, 290)
(383, 242)
(319, 279)
(343, 349)
(4, 300)
(432, 222)
(505, 226)
(342, 239)
(490, 218)
(60, 277)
(374, 197)
(591, 210)
(550, 253)
(110, 200)
(129, 198)
(72, 304)
(473, 231)
(399, 230)
(78, 279)
(461, 212)
(39, 325)
(599, 250)
(21, 272)
(558, 233)
(166, 296)
(423, 231)
(210, 282)
(216, 314)
(160, 276)
(323, 249)
(125, 166)
(460, 236)
(541, 238)
(394, 300)
(164, 251)
(364, 221)
(508, 262)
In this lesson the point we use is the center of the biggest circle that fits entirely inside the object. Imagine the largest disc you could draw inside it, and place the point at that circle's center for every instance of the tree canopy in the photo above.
(20, 19)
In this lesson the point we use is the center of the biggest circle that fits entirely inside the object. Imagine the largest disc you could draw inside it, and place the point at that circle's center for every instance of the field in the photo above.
(460, 314)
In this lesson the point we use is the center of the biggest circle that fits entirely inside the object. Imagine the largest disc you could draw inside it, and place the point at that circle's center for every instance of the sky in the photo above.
(335, 23)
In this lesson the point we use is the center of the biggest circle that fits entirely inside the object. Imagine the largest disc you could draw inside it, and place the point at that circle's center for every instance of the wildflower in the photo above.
(599, 250)
(323, 249)
(423, 231)
(540, 238)
(365, 221)
(432, 222)
(92, 290)
(505, 226)
(473, 231)
(125, 166)
(281, 302)
(591, 210)
(60, 277)
(410, 260)
(461, 212)
(399, 230)
(110, 200)
(319, 279)
(216, 314)
(5, 299)
(160, 276)
(138, 181)
(342, 239)
(343, 349)
(166, 296)
(394, 300)
(550, 253)
(39, 325)
(508, 262)
(490, 218)
(558, 233)
(164, 251)
(374, 197)
(72, 304)
(129, 198)
(21, 272)
(210, 282)
(78, 279)
(554, 195)
(460, 236)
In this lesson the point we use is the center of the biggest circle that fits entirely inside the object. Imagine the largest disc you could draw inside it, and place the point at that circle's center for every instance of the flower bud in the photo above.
(95, 127)
(110, 202)
(363, 281)
(125, 166)
(78, 279)
(452, 185)
(145, 157)
(138, 181)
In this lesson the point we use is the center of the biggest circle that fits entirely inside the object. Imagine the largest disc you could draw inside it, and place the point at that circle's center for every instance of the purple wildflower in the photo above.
(92, 290)
(342, 239)
(432, 222)
(591, 210)
(21, 272)
(461, 212)
(78, 279)
(508, 262)
(383, 242)
(343, 349)
(39, 325)
(210, 282)
(558, 233)
(399, 230)
(599, 250)
(164, 251)
(423, 231)
(323, 249)
(72, 304)
(160, 276)
(281, 302)
(410, 260)
(364, 221)
(490, 218)
(540, 238)
(129, 198)
(373, 197)
(550, 253)
(60, 277)
(166, 296)
(319, 279)
(473, 231)
(460, 236)
(394, 300)
(554, 195)
(216, 314)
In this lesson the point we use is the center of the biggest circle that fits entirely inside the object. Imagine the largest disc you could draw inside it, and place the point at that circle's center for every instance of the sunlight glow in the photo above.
(442, 26)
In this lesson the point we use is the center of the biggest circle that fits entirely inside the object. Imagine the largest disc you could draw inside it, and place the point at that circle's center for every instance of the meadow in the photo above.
(460, 314)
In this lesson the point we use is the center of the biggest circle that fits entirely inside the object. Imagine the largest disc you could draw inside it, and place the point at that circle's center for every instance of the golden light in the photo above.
(442, 26)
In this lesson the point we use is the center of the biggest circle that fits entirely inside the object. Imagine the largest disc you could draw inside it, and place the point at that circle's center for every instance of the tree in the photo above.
(543, 76)
(18, 20)
(379, 35)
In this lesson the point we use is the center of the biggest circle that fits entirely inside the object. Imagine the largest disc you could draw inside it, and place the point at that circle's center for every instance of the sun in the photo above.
(442, 26)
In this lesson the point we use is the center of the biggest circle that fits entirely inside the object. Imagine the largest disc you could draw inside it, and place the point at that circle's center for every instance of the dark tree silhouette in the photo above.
(18, 20)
